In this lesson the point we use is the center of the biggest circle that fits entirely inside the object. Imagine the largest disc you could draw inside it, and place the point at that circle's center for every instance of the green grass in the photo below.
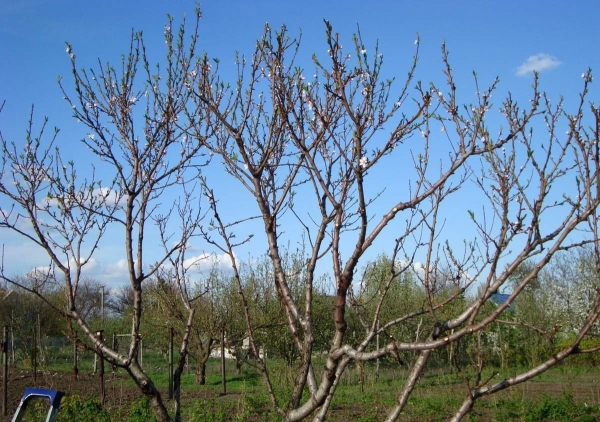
(545, 408)
(437, 396)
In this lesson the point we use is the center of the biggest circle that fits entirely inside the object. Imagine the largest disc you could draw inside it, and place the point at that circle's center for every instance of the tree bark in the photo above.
(201, 373)
(202, 360)
(150, 392)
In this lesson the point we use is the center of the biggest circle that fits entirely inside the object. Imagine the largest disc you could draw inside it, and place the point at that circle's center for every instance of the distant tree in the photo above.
(34, 312)
(573, 282)
(209, 320)
(165, 309)
(89, 299)
(403, 295)
(268, 313)
(534, 325)
(120, 301)
(265, 311)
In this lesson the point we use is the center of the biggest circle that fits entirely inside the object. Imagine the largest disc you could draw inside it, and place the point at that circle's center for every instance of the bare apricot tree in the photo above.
(134, 115)
(339, 160)
(311, 148)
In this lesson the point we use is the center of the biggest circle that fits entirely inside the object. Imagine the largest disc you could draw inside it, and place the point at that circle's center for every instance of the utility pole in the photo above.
(100, 340)
(102, 304)
(4, 348)
(377, 367)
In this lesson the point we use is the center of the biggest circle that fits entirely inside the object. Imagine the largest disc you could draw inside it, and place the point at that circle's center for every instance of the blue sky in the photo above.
(507, 39)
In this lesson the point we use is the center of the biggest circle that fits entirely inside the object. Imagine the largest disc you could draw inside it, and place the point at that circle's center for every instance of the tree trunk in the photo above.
(201, 373)
(177, 385)
(150, 392)
(240, 355)
(202, 359)
(239, 362)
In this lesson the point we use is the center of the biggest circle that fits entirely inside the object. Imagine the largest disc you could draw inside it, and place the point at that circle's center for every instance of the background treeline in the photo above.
(539, 322)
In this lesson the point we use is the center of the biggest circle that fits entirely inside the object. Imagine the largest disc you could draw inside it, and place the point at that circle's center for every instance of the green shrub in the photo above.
(587, 359)
(73, 409)
(549, 408)
(141, 412)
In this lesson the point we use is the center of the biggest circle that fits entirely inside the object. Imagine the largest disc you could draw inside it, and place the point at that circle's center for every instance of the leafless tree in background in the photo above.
(137, 135)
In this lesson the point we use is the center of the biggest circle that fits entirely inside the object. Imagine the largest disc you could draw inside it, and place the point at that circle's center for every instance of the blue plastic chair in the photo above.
(31, 393)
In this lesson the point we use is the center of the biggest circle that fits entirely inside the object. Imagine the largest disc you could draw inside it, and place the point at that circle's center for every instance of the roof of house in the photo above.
(501, 298)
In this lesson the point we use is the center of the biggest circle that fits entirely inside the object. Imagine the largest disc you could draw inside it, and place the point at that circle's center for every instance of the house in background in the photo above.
(501, 298)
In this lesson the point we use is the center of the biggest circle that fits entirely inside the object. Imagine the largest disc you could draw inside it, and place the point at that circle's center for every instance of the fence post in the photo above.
(4, 371)
(34, 356)
(12, 341)
(377, 367)
(171, 335)
(114, 346)
(75, 364)
(223, 380)
(100, 338)
(40, 349)
(141, 351)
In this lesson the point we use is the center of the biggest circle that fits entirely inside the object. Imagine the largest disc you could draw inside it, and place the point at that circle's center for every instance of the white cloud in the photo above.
(418, 267)
(107, 196)
(89, 268)
(205, 261)
(30, 260)
(537, 63)
(39, 273)
(117, 270)
(111, 196)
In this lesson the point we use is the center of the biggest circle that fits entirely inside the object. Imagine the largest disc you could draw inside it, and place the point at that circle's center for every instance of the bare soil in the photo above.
(120, 392)
(117, 388)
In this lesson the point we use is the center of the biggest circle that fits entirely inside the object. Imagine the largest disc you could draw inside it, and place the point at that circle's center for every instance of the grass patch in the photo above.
(565, 393)
(545, 408)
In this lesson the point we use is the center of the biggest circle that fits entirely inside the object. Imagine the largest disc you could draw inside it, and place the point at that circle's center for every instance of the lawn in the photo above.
(566, 393)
